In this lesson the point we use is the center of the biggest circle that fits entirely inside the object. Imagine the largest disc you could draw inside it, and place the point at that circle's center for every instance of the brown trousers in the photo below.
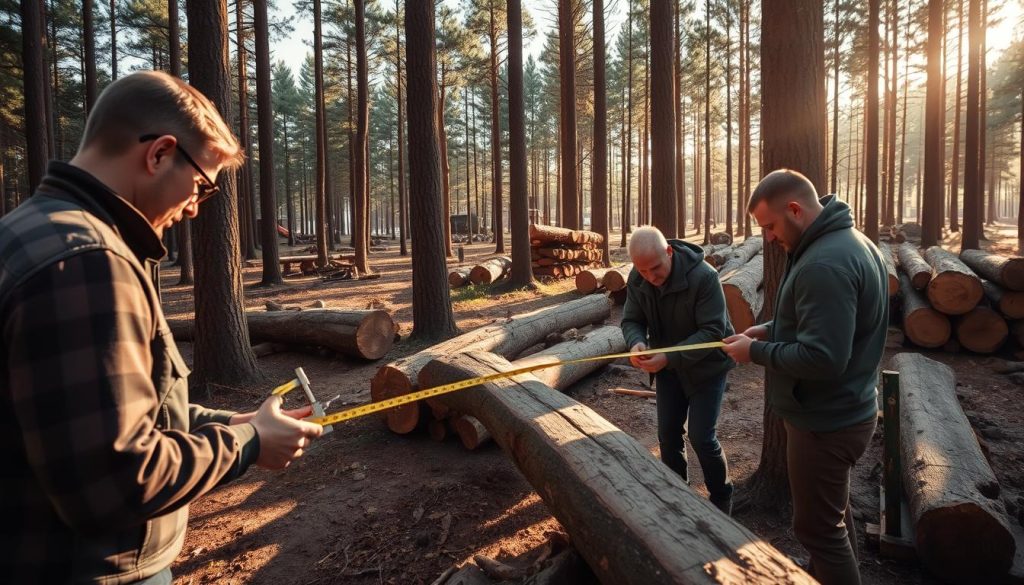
(819, 478)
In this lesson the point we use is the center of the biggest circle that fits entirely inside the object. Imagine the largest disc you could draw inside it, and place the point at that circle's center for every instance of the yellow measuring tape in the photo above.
(373, 407)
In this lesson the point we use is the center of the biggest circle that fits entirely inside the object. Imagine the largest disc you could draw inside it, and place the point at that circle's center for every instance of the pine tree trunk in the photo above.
(934, 120)
(663, 139)
(321, 147)
(871, 138)
(222, 351)
(265, 130)
(361, 227)
(113, 41)
(972, 161)
(567, 92)
(89, 38)
(707, 122)
(36, 138)
(599, 191)
(954, 186)
(521, 274)
(788, 93)
(900, 193)
(402, 220)
(442, 141)
(728, 120)
(628, 162)
(431, 303)
(678, 104)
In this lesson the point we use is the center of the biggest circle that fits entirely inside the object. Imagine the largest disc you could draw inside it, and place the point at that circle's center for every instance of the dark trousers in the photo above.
(701, 409)
(819, 478)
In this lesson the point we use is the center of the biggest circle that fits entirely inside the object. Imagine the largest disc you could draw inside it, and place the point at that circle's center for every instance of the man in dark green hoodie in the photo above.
(673, 297)
(821, 354)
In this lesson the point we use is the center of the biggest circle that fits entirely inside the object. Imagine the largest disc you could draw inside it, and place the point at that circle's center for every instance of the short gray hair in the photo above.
(646, 240)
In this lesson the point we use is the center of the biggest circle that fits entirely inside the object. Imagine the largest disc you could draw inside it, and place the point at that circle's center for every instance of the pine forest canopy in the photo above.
(714, 150)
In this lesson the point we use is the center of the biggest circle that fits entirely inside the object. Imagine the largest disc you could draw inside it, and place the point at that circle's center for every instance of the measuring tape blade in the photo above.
(363, 410)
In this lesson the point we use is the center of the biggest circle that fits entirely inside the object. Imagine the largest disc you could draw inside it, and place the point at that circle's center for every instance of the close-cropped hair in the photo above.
(781, 183)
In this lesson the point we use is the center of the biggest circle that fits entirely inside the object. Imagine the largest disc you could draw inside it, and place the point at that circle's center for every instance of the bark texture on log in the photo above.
(556, 235)
(890, 266)
(1007, 271)
(363, 334)
(615, 278)
(981, 330)
(490, 270)
(961, 531)
(507, 338)
(1009, 302)
(922, 324)
(741, 254)
(954, 288)
(743, 294)
(913, 264)
(607, 489)
(600, 341)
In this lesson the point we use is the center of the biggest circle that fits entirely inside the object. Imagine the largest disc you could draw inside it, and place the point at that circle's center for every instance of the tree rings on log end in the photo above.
(964, 543)
(927, 328)
(954, 293)
(982, 330)
(375, 335)
(390, 382)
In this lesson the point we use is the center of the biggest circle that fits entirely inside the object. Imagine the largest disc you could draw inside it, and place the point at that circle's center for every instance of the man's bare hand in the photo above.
(637, 361)
(738, 347)
(296, 413)
(282, 437)
(757, 332)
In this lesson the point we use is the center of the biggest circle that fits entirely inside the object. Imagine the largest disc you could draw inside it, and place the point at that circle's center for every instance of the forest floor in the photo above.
(367, 506)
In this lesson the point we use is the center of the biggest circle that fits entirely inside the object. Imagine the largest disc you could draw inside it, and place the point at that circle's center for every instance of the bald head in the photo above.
(651, 254)
(647, 241)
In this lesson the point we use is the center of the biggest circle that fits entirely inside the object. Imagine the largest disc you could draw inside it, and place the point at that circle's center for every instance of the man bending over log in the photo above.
(821, 353)
(673, 297)
(102, 452)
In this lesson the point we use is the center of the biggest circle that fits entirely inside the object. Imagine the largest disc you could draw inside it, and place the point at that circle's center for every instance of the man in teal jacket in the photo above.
(821, 353)
(673, 297)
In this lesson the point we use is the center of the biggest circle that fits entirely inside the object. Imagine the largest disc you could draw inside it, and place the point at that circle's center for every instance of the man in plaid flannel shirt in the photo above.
(102, 453)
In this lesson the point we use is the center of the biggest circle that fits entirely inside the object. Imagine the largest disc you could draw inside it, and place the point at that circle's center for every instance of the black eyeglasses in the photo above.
(207, 189)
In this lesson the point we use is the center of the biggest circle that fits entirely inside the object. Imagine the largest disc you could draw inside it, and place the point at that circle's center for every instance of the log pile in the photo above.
(563, 253)
(961, 528)
(946, 305)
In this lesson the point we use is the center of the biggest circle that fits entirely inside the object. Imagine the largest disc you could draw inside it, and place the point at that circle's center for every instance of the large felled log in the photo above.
(507, 338)
(590, 280)
(615, 278)
(555, 235)
(961, 531)
(1009, 302)
(600, 341)
(459, 276)
(921, 323)
(364, 334)
(720, 256)
(490, 270)
(721, 238)
(954, 288)
(606, 489)
(913, 264)
(890, 266)
(1007, 271)
(741, 254)
(743, 295)
(981, 330)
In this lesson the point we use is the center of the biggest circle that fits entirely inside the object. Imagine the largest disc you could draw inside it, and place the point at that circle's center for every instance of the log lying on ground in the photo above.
(606, 489)
(954, 288)
(890, 266)
(590, 280)
(615, 278)
(363, 334)
(721, 256)
(922, 324)
(981, 330)
(459, 276)
(913, 264)
(721, 238)
(599, 341)
(507, 338)
(1007, 271)
(1009, 302)
(490, 270)
(961, 531)
(741, 254)
(743, 296)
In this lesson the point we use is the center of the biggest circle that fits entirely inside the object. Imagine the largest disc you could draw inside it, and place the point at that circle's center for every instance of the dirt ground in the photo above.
(366, 506)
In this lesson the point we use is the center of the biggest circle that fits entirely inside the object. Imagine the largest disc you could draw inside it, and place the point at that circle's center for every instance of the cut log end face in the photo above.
(954, 293)
(943, 529)
(388, 383)
(375, 335)
(586, 282)
(982, 330)
(927, 328)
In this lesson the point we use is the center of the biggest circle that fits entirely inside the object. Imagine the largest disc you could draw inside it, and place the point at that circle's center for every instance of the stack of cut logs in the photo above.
(563, 253)
(973, 301)
(489, 271)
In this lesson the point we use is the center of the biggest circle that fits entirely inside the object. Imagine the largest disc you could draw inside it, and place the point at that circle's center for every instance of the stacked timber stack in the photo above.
(947, 305)
(614, 281)
(564, 253)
